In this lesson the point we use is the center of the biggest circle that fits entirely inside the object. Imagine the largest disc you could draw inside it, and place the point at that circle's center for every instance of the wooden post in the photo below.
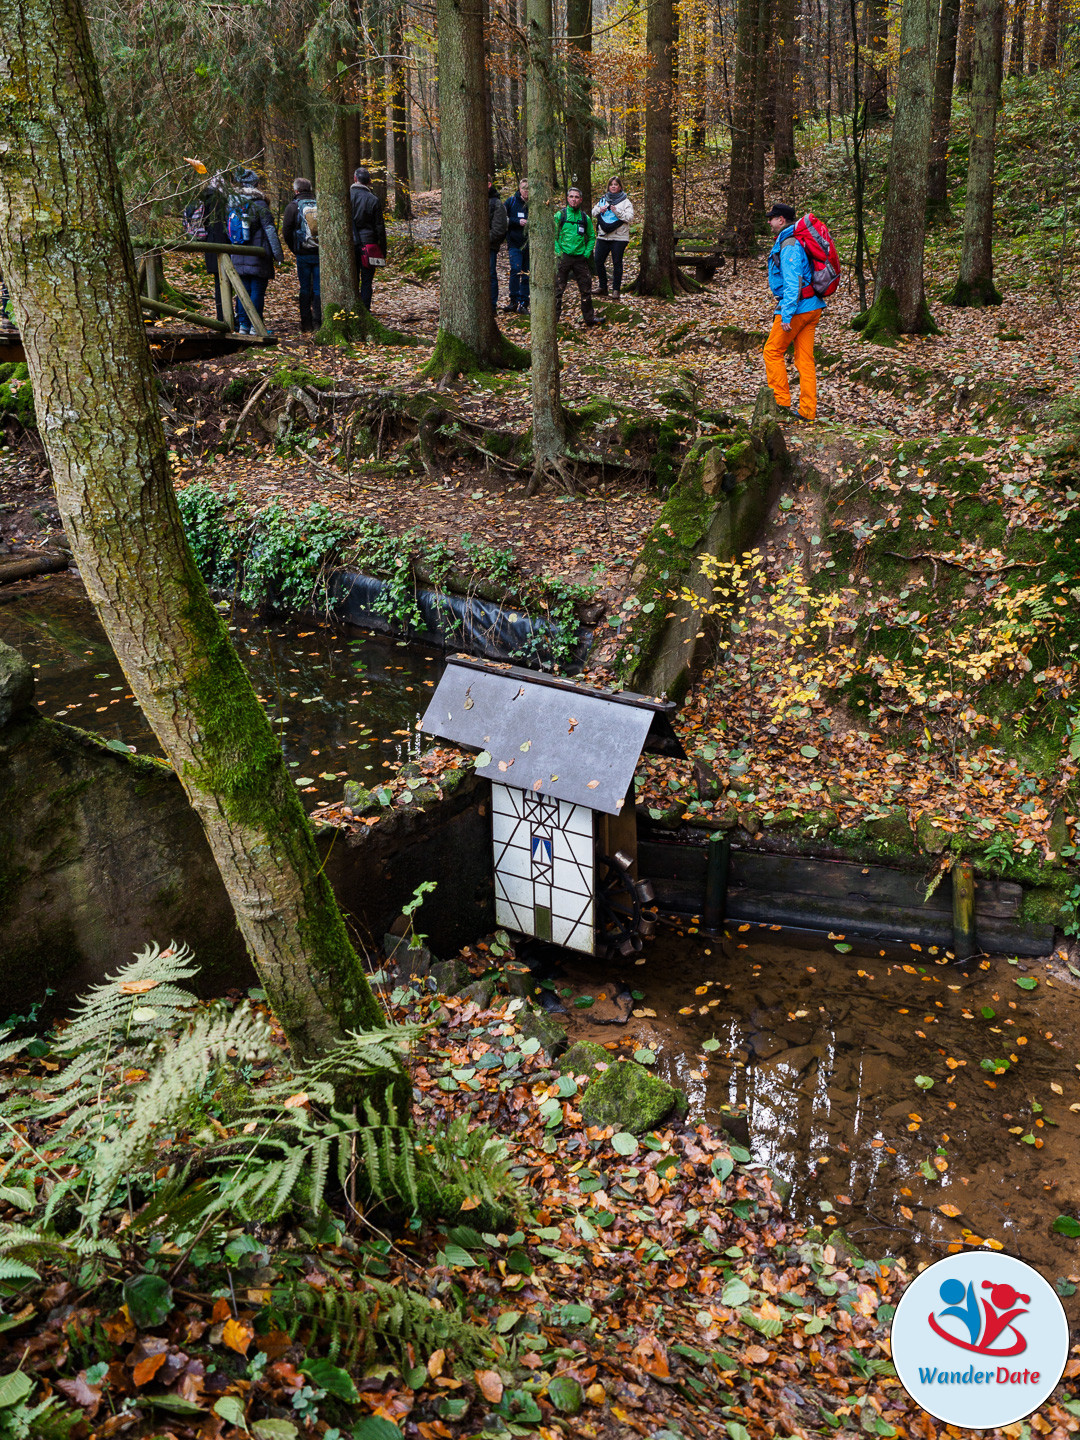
(226, 267)
(963, 911)
(716, 883)
(228, 309)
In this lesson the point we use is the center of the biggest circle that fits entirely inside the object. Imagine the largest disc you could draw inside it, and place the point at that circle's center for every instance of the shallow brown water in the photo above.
(823, 1049)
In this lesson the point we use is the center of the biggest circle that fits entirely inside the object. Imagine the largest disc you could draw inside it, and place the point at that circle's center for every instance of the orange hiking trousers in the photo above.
(802, 335)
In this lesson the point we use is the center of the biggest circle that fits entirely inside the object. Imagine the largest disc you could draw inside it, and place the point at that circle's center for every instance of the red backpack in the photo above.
(813, 235)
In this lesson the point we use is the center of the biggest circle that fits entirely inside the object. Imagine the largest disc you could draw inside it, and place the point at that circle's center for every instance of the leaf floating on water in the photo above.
(952, 1211)
(526, 746)
(924, 1082)
(592, 784)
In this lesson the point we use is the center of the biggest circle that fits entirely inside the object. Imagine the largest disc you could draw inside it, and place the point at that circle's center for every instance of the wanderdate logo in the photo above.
(979, 1340)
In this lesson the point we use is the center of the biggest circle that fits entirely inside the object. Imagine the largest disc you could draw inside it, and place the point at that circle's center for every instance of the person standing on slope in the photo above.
(798, 311)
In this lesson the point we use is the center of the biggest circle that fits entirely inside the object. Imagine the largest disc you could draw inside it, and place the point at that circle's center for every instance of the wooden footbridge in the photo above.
(207, 336)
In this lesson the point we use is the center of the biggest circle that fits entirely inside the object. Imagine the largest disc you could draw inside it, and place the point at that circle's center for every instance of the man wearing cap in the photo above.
(798, 310)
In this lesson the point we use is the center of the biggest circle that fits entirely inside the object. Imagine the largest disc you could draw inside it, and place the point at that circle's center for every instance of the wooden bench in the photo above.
(702, 251)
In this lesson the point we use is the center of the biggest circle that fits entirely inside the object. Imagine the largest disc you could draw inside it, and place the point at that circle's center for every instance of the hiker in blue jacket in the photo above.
(798, 310)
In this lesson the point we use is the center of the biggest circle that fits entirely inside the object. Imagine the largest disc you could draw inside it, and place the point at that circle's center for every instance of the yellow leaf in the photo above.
(138, 987)
(950, 1210)
(238, 1335)
(1056, 1088)
(435, 1363)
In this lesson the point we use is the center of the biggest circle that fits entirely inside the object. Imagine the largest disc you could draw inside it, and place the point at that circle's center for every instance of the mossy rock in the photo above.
(361, 800)
(287, 377)
(892, 832)
(479, 992)
(450, 976)
(628, 1097)
(519, 980)
(930, 839)
(16, 684)
(583, 1057)
(1042, 904)
(537, 1026)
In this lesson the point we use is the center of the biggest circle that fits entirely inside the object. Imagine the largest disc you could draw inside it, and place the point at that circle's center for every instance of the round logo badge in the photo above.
(979, 1339)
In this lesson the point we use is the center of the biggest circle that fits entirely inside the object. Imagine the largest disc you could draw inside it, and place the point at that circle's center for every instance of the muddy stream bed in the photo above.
(818, 1060)
(812, 1057)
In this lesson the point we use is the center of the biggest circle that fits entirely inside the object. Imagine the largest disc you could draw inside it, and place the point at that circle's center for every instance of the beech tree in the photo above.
(937, 190)
(740, 212)
(900, 306)
(68, 263)
(579, 117)
(469, 338)
(659, 274)
(975, 285)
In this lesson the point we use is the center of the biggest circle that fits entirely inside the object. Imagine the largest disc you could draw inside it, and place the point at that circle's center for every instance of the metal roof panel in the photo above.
(565, 743)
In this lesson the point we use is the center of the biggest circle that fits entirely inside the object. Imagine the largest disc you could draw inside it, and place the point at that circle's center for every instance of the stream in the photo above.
(820, 1053)
(824, 1057)
(344, 701)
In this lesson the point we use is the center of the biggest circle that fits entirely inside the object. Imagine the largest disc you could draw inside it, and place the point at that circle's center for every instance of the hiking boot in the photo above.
(523, 309)
(616, 294)
(594, 319)
(510, 307)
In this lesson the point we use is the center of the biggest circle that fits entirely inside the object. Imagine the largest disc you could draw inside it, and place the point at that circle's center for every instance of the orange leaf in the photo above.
(470, 1202)
(950, 1210)
(148, 1368)
(294, 1100)
(222, 1310)
(491, 1385)
(436, 1362)
(238, 1335)
(138, 987)
(756, 1354)
(652, 1357)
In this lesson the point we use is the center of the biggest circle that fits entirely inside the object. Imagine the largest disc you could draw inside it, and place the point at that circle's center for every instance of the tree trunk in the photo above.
(307, 155)
(631, 126)
(975, 285)
(67, 260)
(787, 70)
(899, 306)
(937, 189)
(876, 72)
(1016, 41)
(740, 219)
(764, 65)
(658, 274)
(1048, 50)
(964, 41)
(579, 119)
(1035, 38)
(489, 113)
(399, 115)
(698, 41)
(469, 338)
(549, 421)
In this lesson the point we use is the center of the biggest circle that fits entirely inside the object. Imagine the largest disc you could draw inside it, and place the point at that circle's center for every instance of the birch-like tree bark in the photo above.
(900, 306)
(67, 259)
(975, 285)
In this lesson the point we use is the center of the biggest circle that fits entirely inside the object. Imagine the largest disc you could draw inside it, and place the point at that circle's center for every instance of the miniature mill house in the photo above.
(561, 758)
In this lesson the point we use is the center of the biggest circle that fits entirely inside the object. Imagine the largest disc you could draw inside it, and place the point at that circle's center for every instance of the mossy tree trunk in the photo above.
(900, 306)
(67, 260)
(964, 40)
(579, 119)
(975, 285)
(344, 319)
(740, 219)
(659, 274)
(937, 186)
(1016, 42)
(307, 154)
(469, 338)
(548, 419)
(764, 107)
(787, 43)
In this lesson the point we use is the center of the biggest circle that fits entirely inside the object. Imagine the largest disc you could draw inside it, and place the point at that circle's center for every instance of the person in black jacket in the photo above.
(247, 202)
(368, 229)
(498, 223)
(517, 247)
(300, 230)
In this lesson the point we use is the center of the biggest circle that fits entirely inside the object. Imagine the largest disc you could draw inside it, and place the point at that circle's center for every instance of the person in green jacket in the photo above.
(575, 237)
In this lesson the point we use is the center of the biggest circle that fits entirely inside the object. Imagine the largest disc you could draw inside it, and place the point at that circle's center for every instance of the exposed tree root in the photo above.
(558, 471)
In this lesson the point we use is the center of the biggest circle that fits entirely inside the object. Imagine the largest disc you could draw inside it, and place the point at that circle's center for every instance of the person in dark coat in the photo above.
(498, 224)
(204, 219)
(517, 246)
(247, 201)
(368, 228)
(300, 230)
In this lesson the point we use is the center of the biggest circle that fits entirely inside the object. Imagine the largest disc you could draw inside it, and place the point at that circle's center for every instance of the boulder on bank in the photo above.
(627, 1097)
(583, 1057)
(552, 1035)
